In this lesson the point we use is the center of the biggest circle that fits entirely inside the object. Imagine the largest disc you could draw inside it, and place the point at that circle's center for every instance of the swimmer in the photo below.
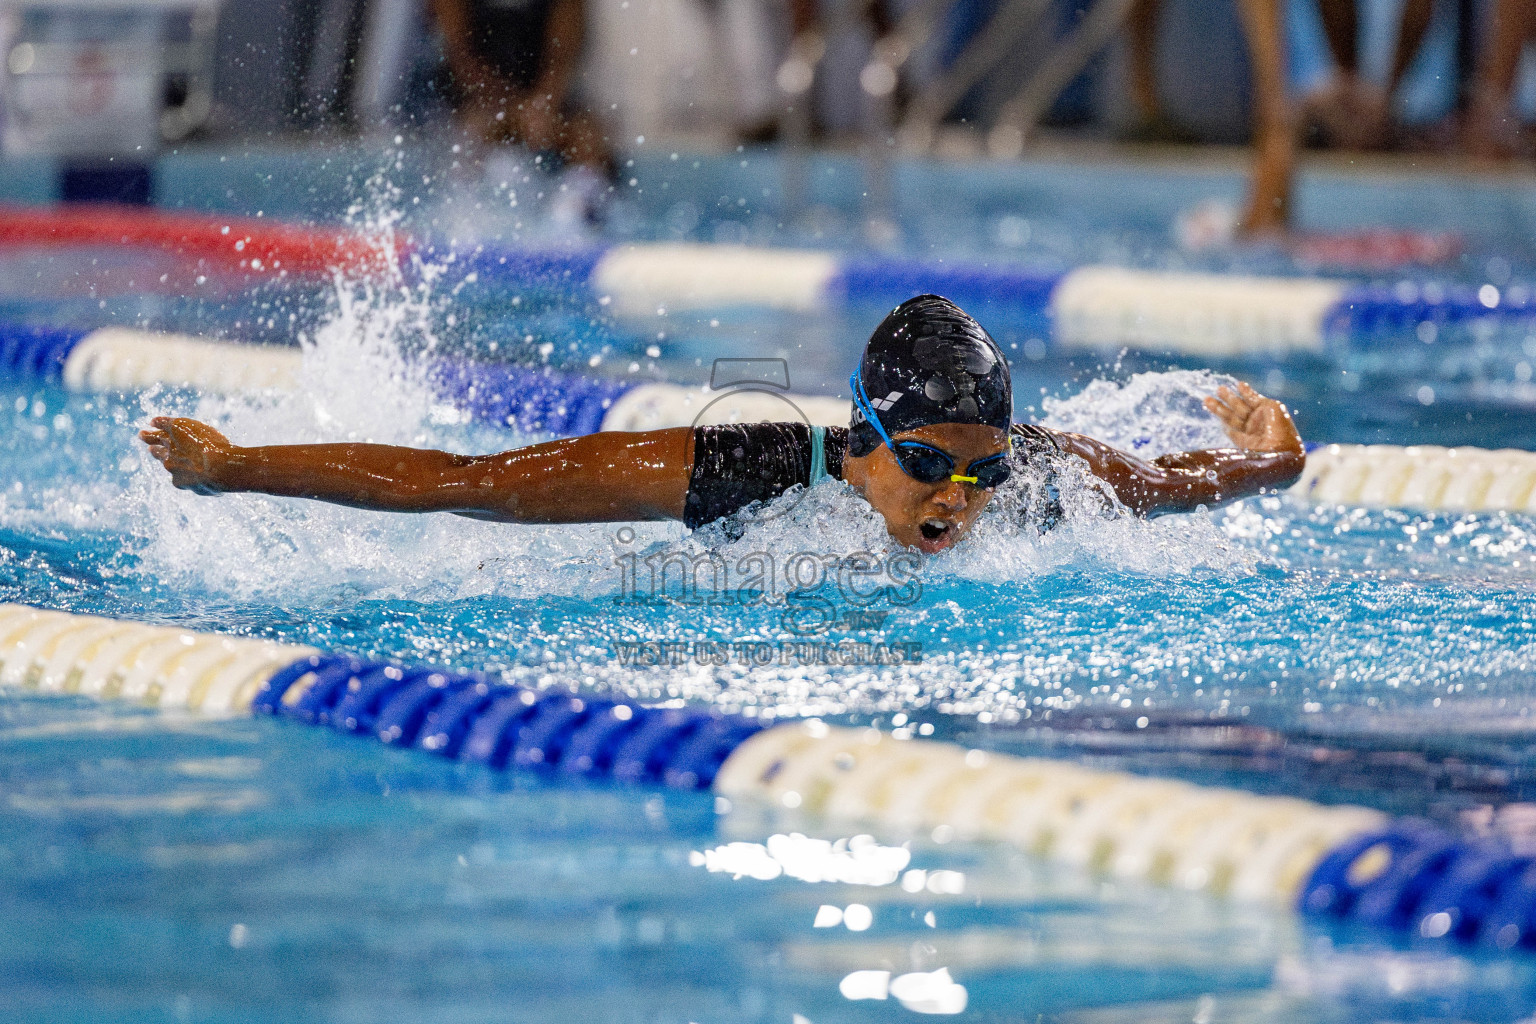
(932, 437)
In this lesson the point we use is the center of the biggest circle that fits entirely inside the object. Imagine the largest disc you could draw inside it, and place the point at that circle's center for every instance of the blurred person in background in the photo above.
(1152, 123)
(834, 37)
(1491, 129)
(750, 39)
(1350, 111)
(511, 64)
(1274, 131)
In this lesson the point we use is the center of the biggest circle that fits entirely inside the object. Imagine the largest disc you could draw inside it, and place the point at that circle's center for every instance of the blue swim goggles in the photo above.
(927, 464)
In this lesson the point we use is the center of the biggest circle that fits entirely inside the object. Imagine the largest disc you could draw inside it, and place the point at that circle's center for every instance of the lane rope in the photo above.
(531, 399)
(1339, 862)
(1097, 308)
(1421, 477)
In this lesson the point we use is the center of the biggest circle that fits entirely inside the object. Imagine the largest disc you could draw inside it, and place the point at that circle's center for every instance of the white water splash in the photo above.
(1149, 415)
(363, 371)
(357, 385)
(362, 380)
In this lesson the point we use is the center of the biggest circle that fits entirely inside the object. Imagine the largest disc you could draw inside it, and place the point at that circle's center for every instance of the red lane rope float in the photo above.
(1377, 250)
(234, 242)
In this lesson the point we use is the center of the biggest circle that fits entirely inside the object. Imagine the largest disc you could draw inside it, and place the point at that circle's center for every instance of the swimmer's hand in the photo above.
(1253, 421)
(193, 452)
(1268, 457)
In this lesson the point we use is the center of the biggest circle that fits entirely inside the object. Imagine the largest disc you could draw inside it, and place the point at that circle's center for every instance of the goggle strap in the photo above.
(861, 399)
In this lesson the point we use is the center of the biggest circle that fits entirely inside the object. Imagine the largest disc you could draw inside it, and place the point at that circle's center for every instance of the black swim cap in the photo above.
(930, 362)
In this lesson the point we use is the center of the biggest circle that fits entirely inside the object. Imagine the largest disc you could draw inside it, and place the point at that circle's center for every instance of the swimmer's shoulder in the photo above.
(736, 464)
(782, 448)
(1031, 438)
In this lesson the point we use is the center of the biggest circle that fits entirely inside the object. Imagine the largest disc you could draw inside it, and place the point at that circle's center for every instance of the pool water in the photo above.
(157, 868)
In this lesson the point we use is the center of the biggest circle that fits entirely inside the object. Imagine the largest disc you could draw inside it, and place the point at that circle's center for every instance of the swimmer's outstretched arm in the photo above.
(1268, 456)
(608, 477)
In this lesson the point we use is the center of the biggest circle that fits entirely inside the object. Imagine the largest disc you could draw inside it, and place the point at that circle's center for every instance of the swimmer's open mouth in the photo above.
(933, 529)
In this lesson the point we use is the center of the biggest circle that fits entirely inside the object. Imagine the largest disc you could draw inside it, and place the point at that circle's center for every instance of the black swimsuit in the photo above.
(737, 464)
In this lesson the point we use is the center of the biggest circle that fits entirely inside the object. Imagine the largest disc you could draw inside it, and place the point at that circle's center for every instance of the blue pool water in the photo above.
(153, 868)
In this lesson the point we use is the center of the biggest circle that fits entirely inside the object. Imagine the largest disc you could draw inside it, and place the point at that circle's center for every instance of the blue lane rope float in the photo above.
(565, 269)
(28, 351)
(471, 718)
(988, 290)
(1377, 315)
(1413, 876)
(529, 398)
(1339, 863)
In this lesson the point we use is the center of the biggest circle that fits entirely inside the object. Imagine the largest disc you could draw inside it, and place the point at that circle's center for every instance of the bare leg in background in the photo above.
(1142, 26)
(1491, 130)
(1411, 30)
(495, 110)
(1353, 112)
(1274, 136)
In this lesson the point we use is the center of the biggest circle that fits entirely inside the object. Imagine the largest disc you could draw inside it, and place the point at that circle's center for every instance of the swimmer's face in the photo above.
(929, 517)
